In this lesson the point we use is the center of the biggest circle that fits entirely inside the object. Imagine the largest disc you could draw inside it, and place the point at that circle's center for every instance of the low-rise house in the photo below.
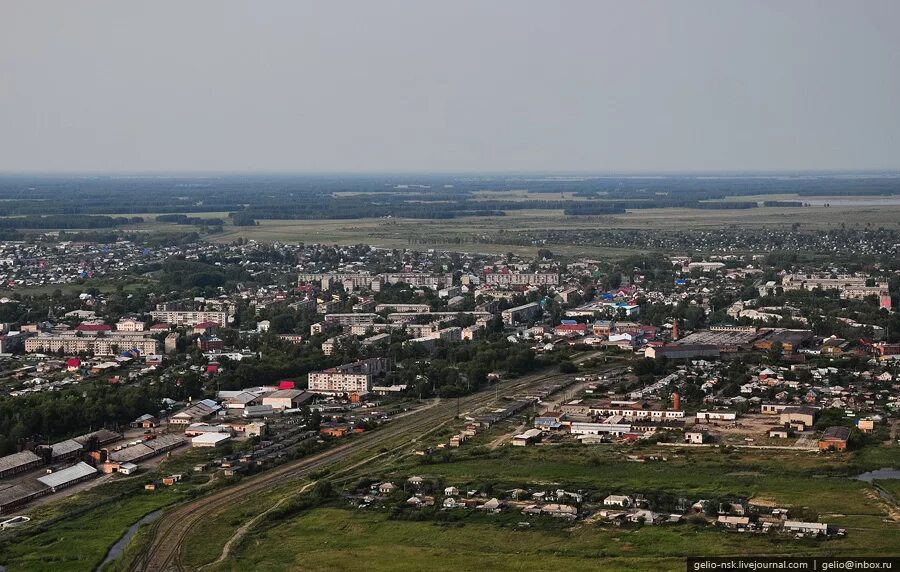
(644, 517)
(530, 436)
(735, 522)
(779, 433)
(621, 501)
(805, 527)
(493, 506)
(451, 502)
(834, 438)
(696, 437)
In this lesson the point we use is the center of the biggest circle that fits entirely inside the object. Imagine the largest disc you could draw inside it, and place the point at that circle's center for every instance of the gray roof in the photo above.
(17, 460)
(102, 435)
(164, 441)
(132, 453)
(836, 432)
(285, 394)
(65, 447)
(20, 491)
(66, 476)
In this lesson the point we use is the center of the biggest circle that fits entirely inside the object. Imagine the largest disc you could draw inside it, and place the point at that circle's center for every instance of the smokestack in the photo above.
(676, 401)
(675, 331)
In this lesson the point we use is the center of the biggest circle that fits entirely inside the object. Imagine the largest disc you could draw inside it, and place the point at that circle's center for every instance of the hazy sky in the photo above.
(379, 85)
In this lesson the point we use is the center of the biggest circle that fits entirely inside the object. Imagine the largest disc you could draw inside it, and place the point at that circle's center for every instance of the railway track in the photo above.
(167, 535)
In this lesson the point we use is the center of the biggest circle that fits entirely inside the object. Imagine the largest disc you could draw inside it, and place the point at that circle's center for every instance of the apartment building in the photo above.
(190, 317)
(414, 308)
(521, 313)
(851, 287)
(522, 279)
(350, 319)
(78, 342)
(350, 281)
(433, 281)
(348, 378)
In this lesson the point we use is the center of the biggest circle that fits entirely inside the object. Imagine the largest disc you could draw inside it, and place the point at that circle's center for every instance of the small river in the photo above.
(119, 547)
(879, 475)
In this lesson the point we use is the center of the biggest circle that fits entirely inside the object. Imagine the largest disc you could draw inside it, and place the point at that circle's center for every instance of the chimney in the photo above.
(675, 331)
(676, 401)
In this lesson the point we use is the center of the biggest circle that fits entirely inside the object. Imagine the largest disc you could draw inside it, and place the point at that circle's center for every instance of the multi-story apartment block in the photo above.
(349, 378)
(521, 313)
(109, 344)
(190, 317)
(522, 279)
(350, 319)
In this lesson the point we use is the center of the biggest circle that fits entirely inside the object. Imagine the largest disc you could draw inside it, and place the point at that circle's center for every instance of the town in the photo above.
(449, 286)
(242, 369)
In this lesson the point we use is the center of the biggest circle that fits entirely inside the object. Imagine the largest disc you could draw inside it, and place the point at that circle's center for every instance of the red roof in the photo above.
(571, 328)
(160, 326)
(73, 362)
(94, 328)
(286, 384)
(206, 325)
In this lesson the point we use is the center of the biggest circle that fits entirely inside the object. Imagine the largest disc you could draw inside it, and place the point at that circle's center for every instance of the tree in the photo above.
(567, 367)
(775, 351)
(323, 489)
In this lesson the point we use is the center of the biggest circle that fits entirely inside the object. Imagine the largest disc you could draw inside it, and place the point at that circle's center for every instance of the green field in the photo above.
(485, 234)
(337, 539)
(340, 538)
(76, 533)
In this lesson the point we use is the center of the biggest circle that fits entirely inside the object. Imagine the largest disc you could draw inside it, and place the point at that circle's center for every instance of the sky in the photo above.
(470, 86)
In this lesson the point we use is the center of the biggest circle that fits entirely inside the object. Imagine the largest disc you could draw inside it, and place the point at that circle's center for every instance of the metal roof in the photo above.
(17, 460)
(66, 476)
(65, 447)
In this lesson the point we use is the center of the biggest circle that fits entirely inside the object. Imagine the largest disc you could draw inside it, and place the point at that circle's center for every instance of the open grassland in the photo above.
(336, 539)
(485, 234)
(339, 538)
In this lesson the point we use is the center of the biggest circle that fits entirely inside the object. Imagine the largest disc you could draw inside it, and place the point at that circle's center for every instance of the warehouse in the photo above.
(14, 496)
(287, 398)
(210, 440)
(683, 351)
(147, 449)
(98, 438)
(68, 477)
(19, 463)
(69, 449)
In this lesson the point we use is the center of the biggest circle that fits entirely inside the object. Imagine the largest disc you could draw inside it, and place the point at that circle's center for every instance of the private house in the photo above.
(834, 438)
(619, 501)
(696, 437)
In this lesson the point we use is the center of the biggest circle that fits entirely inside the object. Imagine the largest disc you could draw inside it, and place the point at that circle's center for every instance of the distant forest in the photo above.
(250, 198)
